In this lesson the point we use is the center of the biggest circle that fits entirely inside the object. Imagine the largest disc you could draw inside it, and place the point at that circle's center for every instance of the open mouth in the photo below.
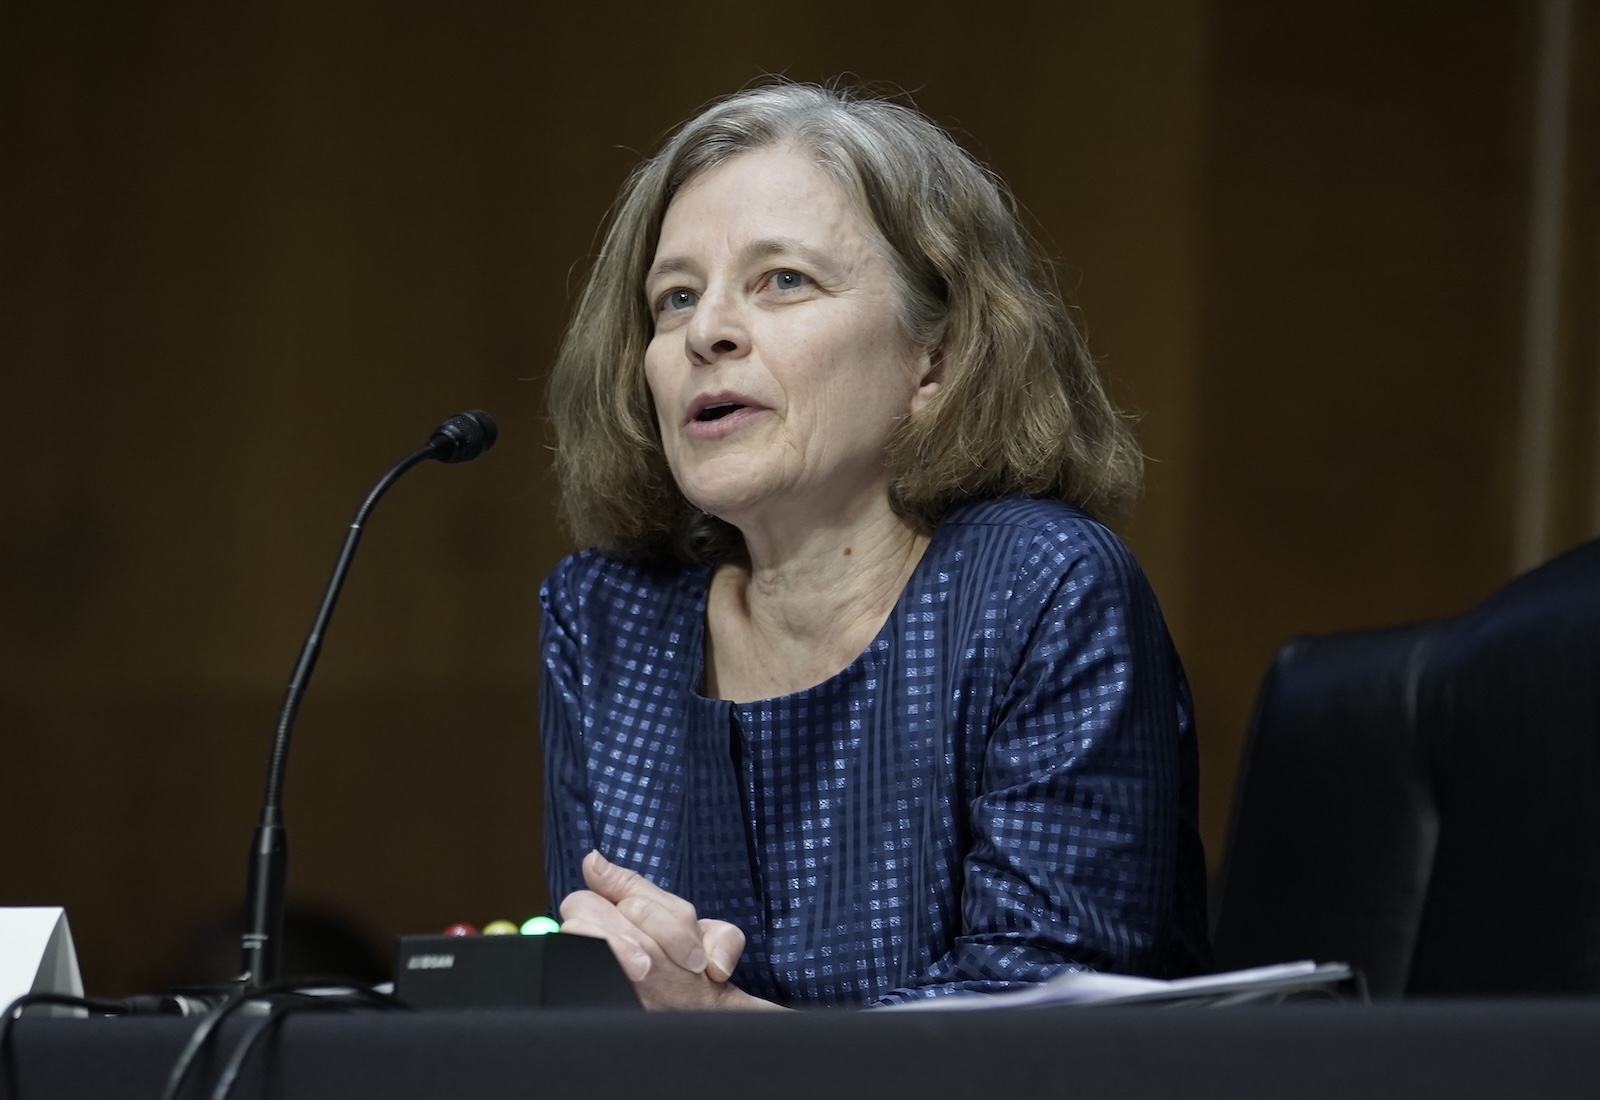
(717, 412)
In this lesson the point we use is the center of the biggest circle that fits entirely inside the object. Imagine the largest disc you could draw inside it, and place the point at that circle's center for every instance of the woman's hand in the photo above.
(674, 959)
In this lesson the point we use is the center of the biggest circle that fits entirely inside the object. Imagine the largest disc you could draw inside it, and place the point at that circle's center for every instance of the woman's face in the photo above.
(778, 365)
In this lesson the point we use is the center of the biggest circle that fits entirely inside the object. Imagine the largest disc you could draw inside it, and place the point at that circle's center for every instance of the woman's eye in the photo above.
(678, 298)
(788, 280)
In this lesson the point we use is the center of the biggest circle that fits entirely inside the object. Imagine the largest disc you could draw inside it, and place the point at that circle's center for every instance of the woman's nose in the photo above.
(718, 329)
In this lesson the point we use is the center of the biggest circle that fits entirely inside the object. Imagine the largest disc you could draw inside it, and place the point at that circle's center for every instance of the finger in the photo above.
(666, 918)
(584, 913)
(614, 882)
(674, 929)
(724, 944)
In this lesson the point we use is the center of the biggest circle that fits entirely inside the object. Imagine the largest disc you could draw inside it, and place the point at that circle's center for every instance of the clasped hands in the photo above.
(674, 958)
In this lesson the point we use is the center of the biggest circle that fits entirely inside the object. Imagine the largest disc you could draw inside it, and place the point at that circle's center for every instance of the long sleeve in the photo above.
(1075, 848)
(568, 835)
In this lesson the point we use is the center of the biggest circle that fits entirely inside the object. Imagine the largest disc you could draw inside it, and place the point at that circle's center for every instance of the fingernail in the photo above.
(697, 961)
(638, 966)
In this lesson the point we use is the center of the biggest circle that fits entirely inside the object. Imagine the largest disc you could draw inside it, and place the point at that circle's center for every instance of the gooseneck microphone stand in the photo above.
(462, 438)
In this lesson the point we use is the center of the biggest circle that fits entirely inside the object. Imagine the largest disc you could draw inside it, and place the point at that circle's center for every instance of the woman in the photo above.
(852, 702)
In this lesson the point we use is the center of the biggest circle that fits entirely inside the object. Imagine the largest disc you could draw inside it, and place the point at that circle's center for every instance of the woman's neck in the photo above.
(797, 613)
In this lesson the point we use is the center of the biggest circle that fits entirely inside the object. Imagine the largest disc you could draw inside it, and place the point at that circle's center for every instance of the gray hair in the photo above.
(1021, 407)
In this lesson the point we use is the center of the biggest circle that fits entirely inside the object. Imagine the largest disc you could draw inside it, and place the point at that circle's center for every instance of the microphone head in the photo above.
(464, 436)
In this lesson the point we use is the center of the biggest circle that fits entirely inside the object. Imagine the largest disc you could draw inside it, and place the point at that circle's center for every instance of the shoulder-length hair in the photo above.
(1021, 407)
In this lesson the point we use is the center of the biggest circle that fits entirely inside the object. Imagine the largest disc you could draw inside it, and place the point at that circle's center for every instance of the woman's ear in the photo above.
(930, 368)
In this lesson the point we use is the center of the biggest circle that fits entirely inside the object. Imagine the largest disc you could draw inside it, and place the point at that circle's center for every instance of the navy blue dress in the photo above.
(1002, 786)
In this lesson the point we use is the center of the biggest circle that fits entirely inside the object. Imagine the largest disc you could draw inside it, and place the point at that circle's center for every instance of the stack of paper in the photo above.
(1262, 984)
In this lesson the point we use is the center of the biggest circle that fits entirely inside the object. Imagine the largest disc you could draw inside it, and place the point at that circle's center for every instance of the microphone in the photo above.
(462, 438)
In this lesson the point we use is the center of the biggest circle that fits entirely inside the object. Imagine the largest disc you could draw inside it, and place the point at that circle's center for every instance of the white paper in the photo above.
(37, 954)
(1088, 987)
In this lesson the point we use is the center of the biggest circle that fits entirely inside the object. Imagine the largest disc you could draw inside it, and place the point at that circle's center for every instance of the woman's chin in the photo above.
(734, 508)
(735, 496)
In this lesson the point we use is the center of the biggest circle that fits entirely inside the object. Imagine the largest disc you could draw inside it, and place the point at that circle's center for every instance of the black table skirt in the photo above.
(1445, 1049)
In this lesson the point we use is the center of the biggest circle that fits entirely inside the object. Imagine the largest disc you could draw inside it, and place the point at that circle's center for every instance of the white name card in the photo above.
(37, 955)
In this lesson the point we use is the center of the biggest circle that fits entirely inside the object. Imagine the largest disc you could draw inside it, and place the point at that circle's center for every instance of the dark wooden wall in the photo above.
(249, 257)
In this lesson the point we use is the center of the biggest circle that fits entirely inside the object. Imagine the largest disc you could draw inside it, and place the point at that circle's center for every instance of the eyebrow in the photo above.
(758, 249)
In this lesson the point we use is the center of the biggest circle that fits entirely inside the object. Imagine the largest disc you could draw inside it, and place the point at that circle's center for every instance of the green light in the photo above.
(540, 926)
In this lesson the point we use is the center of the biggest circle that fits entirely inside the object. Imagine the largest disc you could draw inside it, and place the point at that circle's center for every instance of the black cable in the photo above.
(208, 1025)
(358, 998)
(242, 996)
(242, 1049)
(197, 1039)
(14, 1011)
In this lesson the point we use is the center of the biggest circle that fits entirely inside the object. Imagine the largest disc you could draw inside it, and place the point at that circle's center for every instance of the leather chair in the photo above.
(1424, 801)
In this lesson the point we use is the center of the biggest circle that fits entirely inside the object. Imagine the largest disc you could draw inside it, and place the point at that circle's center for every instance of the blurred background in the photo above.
(1341, 259)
